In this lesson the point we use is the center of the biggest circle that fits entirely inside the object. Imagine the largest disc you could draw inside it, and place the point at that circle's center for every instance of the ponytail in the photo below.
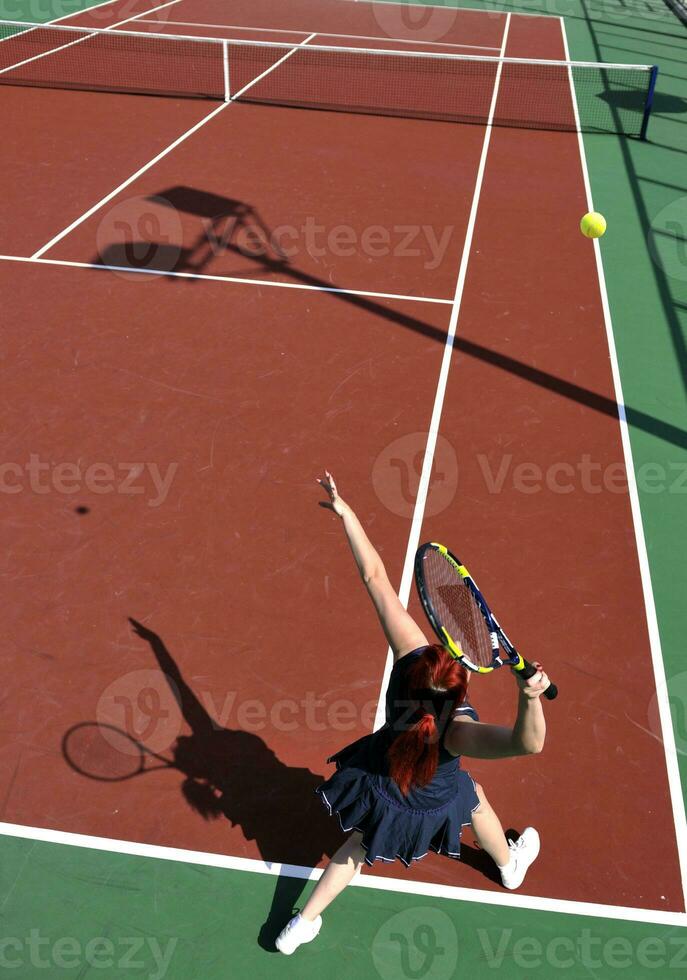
(436, 683)
(414, 754)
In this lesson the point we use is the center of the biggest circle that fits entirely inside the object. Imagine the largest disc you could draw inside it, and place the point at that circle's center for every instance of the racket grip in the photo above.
(529, 670)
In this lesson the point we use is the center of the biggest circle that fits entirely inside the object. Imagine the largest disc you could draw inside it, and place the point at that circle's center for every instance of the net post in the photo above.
(649, 102)
(225, 63)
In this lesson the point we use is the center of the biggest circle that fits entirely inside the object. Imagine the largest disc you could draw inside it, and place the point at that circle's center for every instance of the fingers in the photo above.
(540, 677)
(535, 685)
(328, 484)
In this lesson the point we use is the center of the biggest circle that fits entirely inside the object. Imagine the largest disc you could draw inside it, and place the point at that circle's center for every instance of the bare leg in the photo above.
(489, 832)
(338, 873)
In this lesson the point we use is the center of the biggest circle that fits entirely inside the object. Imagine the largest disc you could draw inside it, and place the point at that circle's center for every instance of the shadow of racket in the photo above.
(108, 754)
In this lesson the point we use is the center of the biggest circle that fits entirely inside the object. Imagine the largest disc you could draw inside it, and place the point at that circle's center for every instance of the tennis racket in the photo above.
(108, 754)
(461, 618)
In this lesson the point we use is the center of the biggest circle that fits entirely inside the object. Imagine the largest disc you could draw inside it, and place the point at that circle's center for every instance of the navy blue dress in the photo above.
(367, 799)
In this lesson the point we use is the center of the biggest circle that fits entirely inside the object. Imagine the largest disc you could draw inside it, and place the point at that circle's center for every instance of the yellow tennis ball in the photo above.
(593, 225)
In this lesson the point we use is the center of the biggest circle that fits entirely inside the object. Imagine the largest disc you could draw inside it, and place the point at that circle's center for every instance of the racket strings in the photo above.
(103, 753)
(457, 610)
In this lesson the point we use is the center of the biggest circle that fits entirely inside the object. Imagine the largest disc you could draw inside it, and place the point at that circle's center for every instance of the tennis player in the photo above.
(401, 790)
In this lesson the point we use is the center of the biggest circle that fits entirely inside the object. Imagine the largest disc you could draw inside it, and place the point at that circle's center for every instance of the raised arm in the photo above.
(465, 736)
(402, 632)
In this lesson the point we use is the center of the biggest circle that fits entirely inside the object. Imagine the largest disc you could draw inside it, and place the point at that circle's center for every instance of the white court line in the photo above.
(233, 279)
(70, 44)
(151, 163)
(667, 733)
(125, 183)
(281, 30)
(288, 54)
(78, 13)
(423, 487)
(380, 882)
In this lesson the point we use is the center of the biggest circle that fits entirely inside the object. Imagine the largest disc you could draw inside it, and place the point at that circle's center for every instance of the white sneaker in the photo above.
(297, 931)
(523, 852)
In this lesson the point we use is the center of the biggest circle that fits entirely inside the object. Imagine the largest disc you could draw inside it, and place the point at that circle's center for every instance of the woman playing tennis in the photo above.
(401, 790)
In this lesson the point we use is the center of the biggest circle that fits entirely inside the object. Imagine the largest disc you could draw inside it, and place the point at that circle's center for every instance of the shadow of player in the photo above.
(233, 774)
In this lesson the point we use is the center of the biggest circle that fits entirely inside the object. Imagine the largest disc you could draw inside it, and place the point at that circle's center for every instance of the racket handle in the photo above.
(529, 670)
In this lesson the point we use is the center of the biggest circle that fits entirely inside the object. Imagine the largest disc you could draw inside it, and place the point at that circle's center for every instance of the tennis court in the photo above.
(240, 243)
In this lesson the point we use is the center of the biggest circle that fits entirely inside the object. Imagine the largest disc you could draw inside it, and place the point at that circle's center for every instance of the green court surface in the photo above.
(68, 911)
(75, 912)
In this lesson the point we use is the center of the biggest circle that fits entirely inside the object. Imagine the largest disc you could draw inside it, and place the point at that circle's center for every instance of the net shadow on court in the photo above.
(165, 257)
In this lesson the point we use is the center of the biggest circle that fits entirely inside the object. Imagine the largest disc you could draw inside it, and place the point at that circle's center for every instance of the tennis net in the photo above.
(536, 94)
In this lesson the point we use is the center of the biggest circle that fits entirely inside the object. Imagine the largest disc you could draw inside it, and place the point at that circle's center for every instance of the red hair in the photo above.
(435, 684)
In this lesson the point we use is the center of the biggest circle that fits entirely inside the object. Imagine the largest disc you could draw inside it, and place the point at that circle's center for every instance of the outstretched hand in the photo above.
(334, 502)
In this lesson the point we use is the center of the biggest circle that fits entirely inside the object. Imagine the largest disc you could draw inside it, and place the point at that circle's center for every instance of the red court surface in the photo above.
(367, 20)
(240, 393)
(345, 181)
